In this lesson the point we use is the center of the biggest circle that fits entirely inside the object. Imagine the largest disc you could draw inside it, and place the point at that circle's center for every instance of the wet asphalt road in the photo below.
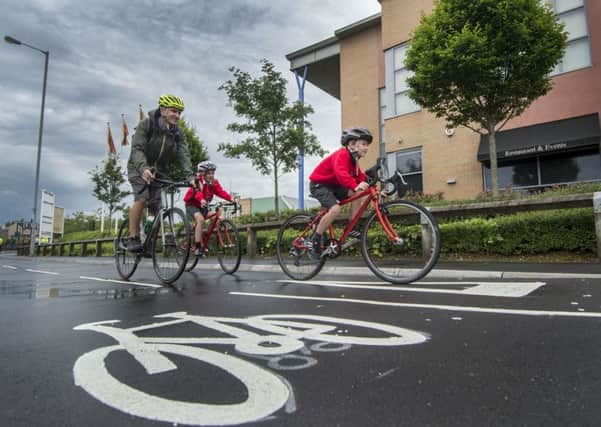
(254, 348)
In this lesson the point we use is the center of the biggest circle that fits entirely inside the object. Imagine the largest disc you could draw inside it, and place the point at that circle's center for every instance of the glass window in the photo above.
(565, 5)
(575, 23)
(382, 112)
(572, 13)
(521, 173)
(577, 167)
(402, 103)
(409, 163)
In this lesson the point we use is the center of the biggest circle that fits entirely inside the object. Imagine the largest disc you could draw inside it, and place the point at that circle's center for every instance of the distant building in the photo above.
(555, 141)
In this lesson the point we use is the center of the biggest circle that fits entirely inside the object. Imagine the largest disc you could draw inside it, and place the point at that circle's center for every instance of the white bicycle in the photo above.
(266, 392)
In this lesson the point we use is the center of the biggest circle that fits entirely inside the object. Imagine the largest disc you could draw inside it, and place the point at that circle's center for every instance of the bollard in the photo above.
(251, 242)
(427, 237)
(597, 211)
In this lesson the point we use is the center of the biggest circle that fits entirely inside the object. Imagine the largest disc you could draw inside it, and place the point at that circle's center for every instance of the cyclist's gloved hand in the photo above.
(203, 203)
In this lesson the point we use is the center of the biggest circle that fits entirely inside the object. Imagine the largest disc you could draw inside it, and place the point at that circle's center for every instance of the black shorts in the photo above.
(328, 195)
(191, 210)
(142, 191)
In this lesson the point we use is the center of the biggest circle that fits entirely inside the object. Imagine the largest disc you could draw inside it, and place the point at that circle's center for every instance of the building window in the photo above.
(408, 163)
(578, 51)
(402, 103)
(581, 166)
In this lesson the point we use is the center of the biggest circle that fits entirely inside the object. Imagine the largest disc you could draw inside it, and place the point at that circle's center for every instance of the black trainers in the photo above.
(315, 247)
(134, 244)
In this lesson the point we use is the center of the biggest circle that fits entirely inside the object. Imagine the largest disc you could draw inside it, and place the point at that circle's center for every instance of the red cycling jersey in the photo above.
(339, 168)
(193, 197)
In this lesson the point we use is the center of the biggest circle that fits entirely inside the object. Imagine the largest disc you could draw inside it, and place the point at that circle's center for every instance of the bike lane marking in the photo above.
(429, 306)
(42, 272)
(494, 289)
(9, 266)
(120, 281)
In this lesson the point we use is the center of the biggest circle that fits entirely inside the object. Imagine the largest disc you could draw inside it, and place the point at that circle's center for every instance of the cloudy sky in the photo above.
(106, 57)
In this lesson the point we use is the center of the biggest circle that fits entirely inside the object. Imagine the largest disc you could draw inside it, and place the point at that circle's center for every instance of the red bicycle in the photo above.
(220, 236)
(400, 240)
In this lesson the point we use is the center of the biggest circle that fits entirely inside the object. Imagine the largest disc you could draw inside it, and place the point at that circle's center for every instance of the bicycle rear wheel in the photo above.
(125, 261)
(229, 249)
(171, 246)
(413, 254)
(292, 250)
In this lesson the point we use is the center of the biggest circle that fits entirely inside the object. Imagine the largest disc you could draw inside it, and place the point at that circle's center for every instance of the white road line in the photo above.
(9, 266)
(428, 306)
(120, 281)
(495, 289)
(42, 272)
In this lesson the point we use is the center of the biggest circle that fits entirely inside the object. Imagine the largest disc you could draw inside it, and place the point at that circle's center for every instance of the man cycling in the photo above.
(338, 177)
(157, 141)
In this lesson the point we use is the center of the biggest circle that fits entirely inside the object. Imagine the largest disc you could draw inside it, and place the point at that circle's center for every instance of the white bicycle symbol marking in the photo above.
(266, 391)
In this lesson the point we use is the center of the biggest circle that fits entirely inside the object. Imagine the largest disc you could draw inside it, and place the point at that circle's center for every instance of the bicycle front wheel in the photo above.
(229, 249)
(292, 250)
(411, 252)
(171, 246)
(125, 261)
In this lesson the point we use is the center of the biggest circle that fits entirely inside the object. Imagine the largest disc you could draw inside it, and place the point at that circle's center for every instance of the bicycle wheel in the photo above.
(126, 261)
(170, 249)
(415, 251)
(292, 251)
(229, 249)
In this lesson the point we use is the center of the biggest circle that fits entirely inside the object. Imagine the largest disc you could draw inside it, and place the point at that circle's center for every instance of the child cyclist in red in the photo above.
(338, 177)
(197, 201)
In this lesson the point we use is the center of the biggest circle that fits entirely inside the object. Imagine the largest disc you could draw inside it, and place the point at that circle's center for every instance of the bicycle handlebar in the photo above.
(397, 179)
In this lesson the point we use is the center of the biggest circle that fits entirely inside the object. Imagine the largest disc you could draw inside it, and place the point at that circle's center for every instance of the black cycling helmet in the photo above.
(355, 133)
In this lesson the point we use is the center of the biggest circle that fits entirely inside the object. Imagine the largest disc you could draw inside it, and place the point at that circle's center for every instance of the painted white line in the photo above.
(120, 281)
(9, 266)
(495, 289)
(428, 306)
(42, 271)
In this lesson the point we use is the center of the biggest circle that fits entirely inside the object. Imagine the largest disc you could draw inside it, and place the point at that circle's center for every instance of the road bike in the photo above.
(222, 344)
(166, 241)
(220, 236)
(399, 240)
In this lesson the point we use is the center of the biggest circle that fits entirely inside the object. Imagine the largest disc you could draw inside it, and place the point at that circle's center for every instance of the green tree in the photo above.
(79, 221)
(197, 150)
(271, 126)
(108, 180)
(478, 63)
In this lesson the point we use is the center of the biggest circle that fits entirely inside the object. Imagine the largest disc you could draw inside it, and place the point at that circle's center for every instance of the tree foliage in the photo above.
(108, 180)
(478, 63)
(271, 127)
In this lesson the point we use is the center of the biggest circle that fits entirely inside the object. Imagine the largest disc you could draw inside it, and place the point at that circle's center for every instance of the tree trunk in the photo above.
(277, 197)
(492, 147)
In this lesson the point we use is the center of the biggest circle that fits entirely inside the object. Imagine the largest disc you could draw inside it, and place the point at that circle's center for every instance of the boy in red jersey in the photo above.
(197, 201)
(337, 177)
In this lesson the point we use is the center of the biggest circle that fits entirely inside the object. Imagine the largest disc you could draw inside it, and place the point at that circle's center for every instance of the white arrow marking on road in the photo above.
(9, 266)
(41, 271)
(120, 281)
(495, 289)
(428, 306)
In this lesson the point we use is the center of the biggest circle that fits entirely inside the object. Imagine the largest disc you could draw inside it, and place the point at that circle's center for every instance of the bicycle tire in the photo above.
(410, 258)
(192, 261)
(229, 249)
(125, 261)
(166, 244)
(291, 251)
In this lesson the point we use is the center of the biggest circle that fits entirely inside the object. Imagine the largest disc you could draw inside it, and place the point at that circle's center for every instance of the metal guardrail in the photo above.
(439, 212)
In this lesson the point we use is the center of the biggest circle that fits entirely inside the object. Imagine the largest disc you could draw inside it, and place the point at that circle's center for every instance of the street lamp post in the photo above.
(46, 53)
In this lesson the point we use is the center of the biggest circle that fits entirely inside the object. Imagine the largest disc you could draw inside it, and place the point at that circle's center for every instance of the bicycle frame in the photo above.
(371, 199)
(214, 219)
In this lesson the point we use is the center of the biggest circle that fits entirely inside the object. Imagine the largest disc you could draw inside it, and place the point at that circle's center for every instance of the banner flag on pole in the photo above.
(110, 142)
(125, 130)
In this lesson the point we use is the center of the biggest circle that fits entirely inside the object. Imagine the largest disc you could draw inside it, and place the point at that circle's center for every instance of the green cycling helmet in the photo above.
(171, 101)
